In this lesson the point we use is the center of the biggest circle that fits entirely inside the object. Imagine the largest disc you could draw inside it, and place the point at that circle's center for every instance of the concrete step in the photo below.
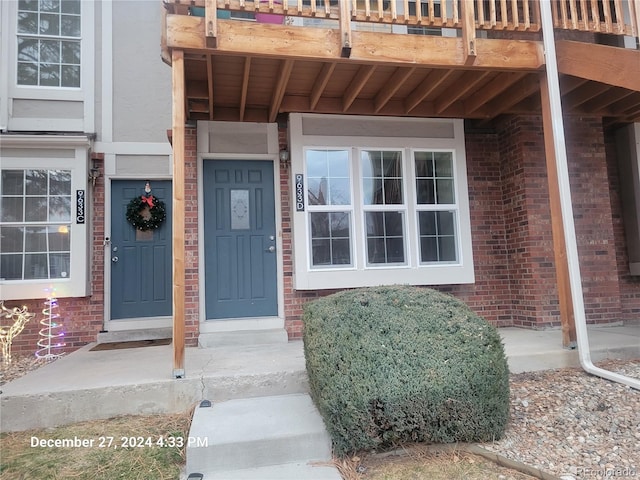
(135, 335)
(243, 338)
(251, 433)
(289, 471)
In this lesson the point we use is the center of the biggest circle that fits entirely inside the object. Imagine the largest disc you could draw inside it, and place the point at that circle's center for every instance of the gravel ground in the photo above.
(574, 425)
(564, 422)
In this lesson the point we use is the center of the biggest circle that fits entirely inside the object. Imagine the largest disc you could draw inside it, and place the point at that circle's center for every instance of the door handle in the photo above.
(271, 249)
(114, 259)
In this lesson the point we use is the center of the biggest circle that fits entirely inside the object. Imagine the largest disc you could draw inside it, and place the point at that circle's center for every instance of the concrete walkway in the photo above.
(89, 385)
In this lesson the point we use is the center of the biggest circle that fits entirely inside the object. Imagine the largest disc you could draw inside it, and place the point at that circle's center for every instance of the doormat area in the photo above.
(134, 344)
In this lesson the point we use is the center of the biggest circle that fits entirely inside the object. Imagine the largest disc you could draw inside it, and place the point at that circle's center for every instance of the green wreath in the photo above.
(146, 212)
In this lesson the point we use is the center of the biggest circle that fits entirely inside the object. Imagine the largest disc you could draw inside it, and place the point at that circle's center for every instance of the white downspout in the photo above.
(575, 278)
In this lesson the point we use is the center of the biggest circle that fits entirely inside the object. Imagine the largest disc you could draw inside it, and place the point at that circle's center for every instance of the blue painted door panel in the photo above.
(141, 269)
(239, 234)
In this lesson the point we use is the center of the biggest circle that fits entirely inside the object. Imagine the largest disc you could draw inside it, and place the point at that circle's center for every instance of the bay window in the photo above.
(380, 208)
(44, 211)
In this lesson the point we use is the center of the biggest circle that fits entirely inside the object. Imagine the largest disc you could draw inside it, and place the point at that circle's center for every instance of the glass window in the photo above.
(49, 35)
(434, 187)
(35, 223)
(329, 205)
(384, 206)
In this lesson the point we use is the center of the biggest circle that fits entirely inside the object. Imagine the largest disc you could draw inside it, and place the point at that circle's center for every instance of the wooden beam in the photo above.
(283, 41)
(345, 30)
(584, 94)
(469, 31)
(391, 87)
(433, 80)
(356, 85)
(510, 97)
(164, 50)
(178, 121)
(567, 317)
(611, 65)
(211, 14)
(245, 87)
(210, 85)
(459, 88)
(278, 93)
(321, 83)
(492, 90)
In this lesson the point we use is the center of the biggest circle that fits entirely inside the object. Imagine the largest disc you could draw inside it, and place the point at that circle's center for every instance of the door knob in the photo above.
(271, 249)
(114, 259)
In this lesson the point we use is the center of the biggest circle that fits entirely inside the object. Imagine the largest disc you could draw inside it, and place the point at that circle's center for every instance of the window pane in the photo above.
(49, 51)
(428, 249)
(59, 264)
(340, 191)
(447, 249)
(11, 209)
(12, 182)
(31, 5)
(445, 191)
(27, 74)
(35, 209)
(60, 209)
(385, 237)
(58, 238)
(382, 178)
(321, 252)
(11, 267)
(36, 182)
(70, 6)
(444, 164)
(49, 24)
(35, 266)
(70, 76)
(71, 52)
(60, 182)
(11, 239)
(50, 75)
(319, 225)
(341, 252)
(35, 240)
(328, 177)
(70, 26)
(49, 5)
(426, 192)
(330, 238)
(28, 22)
(437, 236)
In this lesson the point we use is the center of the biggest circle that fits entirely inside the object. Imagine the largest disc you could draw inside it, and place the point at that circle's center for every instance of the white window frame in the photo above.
(57, 153)
(360, 273)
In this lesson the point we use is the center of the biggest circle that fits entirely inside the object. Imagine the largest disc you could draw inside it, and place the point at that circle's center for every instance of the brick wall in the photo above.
(191, 313)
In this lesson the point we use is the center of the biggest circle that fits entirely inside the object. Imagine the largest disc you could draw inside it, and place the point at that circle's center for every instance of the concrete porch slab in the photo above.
(96, 385)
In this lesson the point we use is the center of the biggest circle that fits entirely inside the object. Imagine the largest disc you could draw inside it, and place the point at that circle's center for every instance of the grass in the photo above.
(21, 461)
(417, 462)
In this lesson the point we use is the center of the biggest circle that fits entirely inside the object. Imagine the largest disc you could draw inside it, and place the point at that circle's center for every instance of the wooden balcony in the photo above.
(252, 60)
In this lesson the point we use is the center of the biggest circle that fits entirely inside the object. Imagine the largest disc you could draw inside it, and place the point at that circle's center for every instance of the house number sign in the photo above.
(299, 192)
(80, 206)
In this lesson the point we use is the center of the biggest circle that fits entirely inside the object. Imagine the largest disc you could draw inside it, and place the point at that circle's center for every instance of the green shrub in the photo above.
(389, 365)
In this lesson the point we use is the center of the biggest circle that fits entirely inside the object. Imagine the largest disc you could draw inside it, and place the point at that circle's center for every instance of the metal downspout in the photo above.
(575, 278)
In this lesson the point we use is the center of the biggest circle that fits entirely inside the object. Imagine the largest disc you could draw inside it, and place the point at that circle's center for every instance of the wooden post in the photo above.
(345, 30)
(178, 93)
(211, 23)
(468, 32)
(567, 317)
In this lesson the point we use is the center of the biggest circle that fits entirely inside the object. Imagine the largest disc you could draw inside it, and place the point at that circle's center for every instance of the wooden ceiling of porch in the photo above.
(245, 88)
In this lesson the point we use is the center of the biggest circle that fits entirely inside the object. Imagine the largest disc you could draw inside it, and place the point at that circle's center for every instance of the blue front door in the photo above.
(240, 239)
(141, 268)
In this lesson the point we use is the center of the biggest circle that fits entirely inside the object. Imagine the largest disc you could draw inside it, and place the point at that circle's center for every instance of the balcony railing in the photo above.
(617, 17)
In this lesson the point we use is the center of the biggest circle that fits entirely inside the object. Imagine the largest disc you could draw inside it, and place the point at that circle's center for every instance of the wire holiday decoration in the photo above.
(51, 334)
(19, 318)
